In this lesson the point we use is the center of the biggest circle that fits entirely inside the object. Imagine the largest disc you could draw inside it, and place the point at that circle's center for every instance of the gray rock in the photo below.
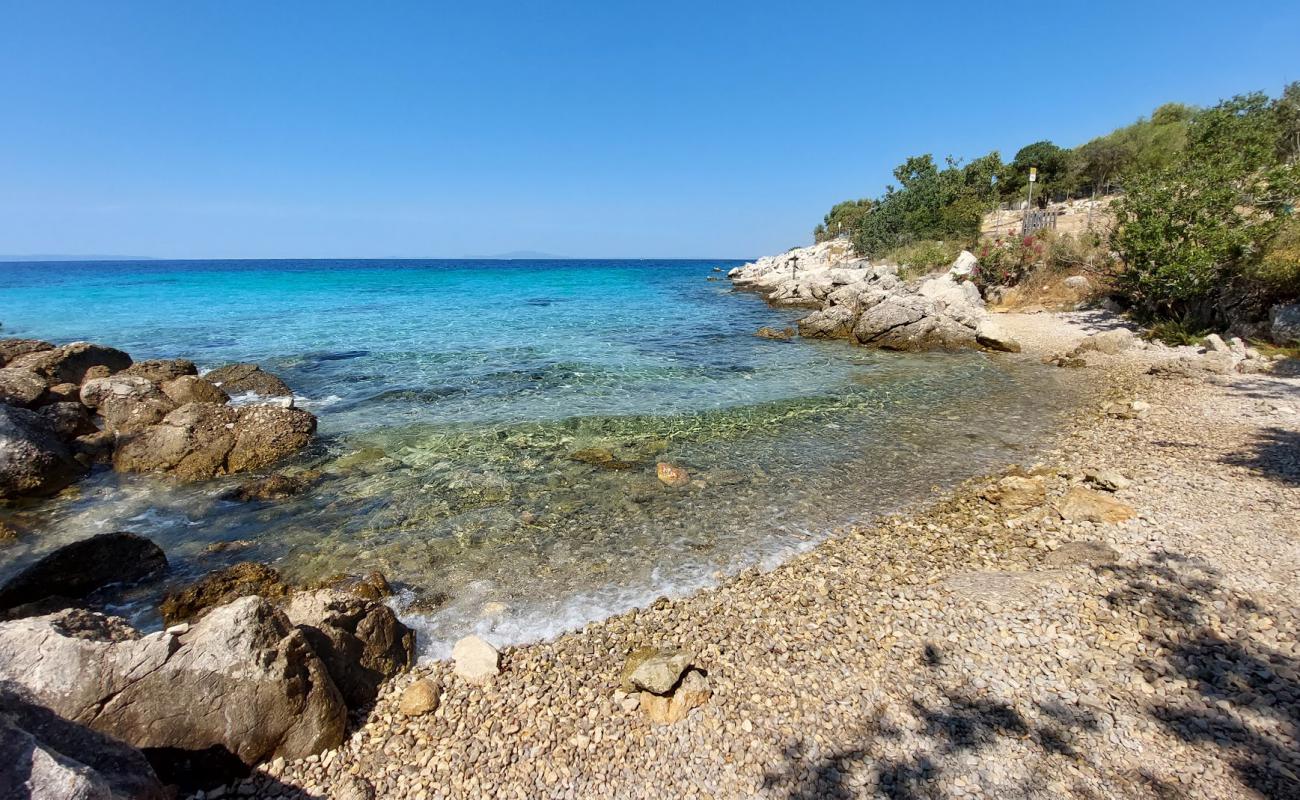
(834, 322)
(1108, 479)
(68, 420)
(991, 335)
(33, 461)
(1284, 324)
(1108, 342)
(75, 570)
(1090, 554)
(242, 679)
(655, 670)
(127, 403)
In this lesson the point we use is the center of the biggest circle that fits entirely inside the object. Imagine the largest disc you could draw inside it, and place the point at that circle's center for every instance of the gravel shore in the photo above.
(971, 648)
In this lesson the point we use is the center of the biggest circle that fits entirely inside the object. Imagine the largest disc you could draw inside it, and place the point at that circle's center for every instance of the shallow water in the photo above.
(452, 396)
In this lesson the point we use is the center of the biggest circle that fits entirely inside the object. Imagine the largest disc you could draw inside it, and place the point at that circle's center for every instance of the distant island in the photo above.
(529, 255)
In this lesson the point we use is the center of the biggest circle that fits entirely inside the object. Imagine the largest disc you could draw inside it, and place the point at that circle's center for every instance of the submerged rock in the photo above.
(75, 570)
(220, 587)
(33, 460)
(671, 475)
(274, 487)
(240, 378)
(782, 335)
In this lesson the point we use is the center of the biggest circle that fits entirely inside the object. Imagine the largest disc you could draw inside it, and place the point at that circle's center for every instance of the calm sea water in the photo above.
(452, 395)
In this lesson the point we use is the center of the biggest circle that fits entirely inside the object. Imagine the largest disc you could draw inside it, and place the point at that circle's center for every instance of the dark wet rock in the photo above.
(240, 378)
(600, 457)
(242, 681)
(75, 570)
(9, 533)
(161, 370)
(274, 487)
(74, 363)
(13, 348)
(94, 448)
(46, 757)
(20, 387)
(202, 440)
(127, 403)
(221, 587)
(361, 642)
(193, 389)
(371, 586)
(33, 460)
(68, 420)
(781, 335)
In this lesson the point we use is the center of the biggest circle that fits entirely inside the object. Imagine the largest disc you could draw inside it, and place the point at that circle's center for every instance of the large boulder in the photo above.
(127, 403)
(240, 378)
(834, 322)
(75, 570)
(193, 389)
(20, 387)
(203, 440)
(1284, 324)
(33, 461)
(243, 680)
(71, 362)
(223, 586)
(68, 420)
(46, 757)
(911, 322)
(361, 642)
(161, 370)
(991, 335)
(12, 348)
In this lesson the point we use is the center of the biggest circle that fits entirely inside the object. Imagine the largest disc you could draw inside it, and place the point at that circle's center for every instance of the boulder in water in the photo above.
(33, 460)
(161, 370)
(240, 378)
(222, 586)
(127, 403)
(193, 389)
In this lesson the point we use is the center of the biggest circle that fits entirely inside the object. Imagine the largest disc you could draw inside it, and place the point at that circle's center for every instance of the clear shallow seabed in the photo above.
(451, 395)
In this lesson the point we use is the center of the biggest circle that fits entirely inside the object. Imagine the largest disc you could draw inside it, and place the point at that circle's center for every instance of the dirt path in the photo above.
(969, 649)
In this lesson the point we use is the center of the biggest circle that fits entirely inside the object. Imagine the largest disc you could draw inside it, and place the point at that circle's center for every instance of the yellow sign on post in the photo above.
(1033, 174)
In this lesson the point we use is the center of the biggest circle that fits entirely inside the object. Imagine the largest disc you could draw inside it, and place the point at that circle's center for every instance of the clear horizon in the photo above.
(588, 130)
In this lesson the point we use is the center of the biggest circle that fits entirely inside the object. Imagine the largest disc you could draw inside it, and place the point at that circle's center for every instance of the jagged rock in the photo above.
(71, 362)
(242, 680)
(61, 393)
(127, 403)
(834, 322)
(911, 322)
(1107, 479)
(1284, 324)
(654, 670)
(220, 587)
(266, 434)
(75, 570)
(361, 642)
(1085, 505)
(692, 692)
(161, 370)
(371, 586)
(274, 487)
(33, 461)
(20, 387)
(12, 348)
(964, 265)
(46, 757)
(68, 420)
(240, 378)
(782, 335)
(421, 697)
(670, 475)
(989, 334)
(193, 389)
(1017, 492)
(476, 661)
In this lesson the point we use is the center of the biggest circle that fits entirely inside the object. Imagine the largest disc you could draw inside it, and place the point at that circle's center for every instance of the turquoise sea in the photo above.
(453, 394)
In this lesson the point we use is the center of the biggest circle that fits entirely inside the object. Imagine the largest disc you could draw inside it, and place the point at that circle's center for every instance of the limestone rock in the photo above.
(240, 378)
(75, 570)
(1085, 505)
(1108, 342)
(991, 335)
(242, 678)
(421, 697)
(964, 265)
(693, 692)
(13, 348)
(1016, 492)
(835, 322)
(361, 642)
(670, 475)
(274, 487)
(266, 434)
(1107, 479)
(127, 403)
(68, 420)
(477, 662)
(161, 370)
(193, 389)
(220, 587)
(20, 387)
(782, 335)
(33, 460)
(71, 362)
(1284, 324)
(654, 670)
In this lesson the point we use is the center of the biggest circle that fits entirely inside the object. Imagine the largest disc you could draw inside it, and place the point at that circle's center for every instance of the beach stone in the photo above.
(1091, 554)
(46, 757)
(68, 420)
(1108, 342)
(670, 475)
(266, 434)
(220, 587)
(20, 387)
(360, 641)
(193, 389)
(476, 661)
(241, 378)
(33, 460)
(989, 334)
(73, 363)
(965, 264)
(1107, 479)
(421, 697)
(242, 679)
(692, 692)
(161, 370)
(654, 670)
(75, 570)
(1017, 492)
(1085, 505)
(13, 348)
(353, 787)
(127, 403)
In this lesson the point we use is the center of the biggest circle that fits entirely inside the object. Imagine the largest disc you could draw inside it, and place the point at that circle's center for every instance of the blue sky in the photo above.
(664, 129)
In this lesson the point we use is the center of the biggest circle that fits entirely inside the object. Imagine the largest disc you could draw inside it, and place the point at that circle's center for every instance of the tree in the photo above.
(843, 220)
(1052, 162)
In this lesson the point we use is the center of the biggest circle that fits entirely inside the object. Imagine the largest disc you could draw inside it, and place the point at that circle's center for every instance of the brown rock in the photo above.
(221, 587)
(193, 389)
(670, 475)
(1017, 492)
(600, 457)
(75, 570)
(161, 370)
(275, 487)
(127, 403)
(13, 348)
(693, 692)
(71, 362)
(1085, 505)
(652, 669)
(240, 378)
(781, 335)
(421, 697)
(191, 443)
(266, 434)
(61, 393)
(20, 387)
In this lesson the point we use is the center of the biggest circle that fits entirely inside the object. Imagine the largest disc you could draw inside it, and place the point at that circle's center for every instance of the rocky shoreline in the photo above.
(1078, 624)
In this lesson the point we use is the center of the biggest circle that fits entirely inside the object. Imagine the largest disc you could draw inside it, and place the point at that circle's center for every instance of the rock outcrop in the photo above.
(20, 387)
(243, 680)
(33, 459)
(75, 570)
(13, 348)
(73, 363)
(873, 306)
(240, 378)
(220, 587)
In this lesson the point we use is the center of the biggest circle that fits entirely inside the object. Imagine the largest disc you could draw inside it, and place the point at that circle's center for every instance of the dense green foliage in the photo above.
(843, 219)
(1192, 234)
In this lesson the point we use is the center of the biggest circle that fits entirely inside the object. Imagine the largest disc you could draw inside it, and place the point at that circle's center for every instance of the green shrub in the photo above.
(922, 257)
(1176, 333)
(1006, 260)
(1085, 251)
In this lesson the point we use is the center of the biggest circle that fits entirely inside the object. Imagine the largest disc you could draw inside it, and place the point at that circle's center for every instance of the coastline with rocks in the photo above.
(1054, 619)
